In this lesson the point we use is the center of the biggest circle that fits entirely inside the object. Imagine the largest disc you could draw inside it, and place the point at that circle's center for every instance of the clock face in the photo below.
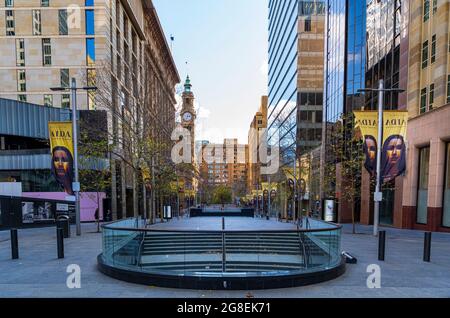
(187, 116)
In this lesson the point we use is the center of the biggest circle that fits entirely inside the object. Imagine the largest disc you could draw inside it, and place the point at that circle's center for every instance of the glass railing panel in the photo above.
(227, 253)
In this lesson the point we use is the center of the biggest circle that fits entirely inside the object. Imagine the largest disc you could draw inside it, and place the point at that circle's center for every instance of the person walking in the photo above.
(97, 219)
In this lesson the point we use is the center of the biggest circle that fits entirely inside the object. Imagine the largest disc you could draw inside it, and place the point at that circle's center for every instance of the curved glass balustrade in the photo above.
(128, 245)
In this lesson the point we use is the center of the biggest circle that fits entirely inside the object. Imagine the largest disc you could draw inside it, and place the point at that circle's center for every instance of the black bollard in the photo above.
(223, 223)
(381, 245)
(60, 242)
(427, 247)
(14, 244)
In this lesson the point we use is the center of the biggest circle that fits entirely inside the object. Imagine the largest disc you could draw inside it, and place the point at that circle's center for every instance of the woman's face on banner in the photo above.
(61, 162)
(394, 150)
(371, 149)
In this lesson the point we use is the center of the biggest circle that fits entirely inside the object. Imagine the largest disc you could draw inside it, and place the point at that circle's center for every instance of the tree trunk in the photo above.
(113, 190)
(135, 195)
(124, 190)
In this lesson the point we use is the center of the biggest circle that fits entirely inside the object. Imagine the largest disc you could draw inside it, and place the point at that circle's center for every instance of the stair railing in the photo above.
(141, 247)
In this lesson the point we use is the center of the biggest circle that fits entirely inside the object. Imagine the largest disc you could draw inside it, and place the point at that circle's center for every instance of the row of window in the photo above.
(64, 82)
(10, 3)
(37, 25)
(48, 100)
(427, 97)
(47, 52)
(45, 3)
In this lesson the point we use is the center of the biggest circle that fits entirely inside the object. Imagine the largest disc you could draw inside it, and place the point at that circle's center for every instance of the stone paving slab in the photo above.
(38, 272)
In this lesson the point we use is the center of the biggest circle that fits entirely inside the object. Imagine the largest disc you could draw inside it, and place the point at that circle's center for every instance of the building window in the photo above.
(433, 49)
(46, 52)
(63, 29)
(117, 13)
(90, 52)
(21, 81)
(431, 99)
(37, 22)
(91, 83)
(65, 100)
(423, 101)
(22, 98)
(125, 27)
(89, 3)
(435, 3)
(446, 216)
(48, 100)
(426, 10)
(20, 52)
(422, 195)
(425, 54)
(64, 75)
(9, 3)
(10, 25)
(45, 3)
(448, 89)
(90, 22)
(308, 24)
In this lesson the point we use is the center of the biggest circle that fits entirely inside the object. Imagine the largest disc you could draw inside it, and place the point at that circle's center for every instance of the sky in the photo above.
(224, 43)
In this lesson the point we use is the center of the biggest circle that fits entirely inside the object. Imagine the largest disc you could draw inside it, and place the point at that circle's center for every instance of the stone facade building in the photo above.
(118, 46)
(426, 185)
(255, 138)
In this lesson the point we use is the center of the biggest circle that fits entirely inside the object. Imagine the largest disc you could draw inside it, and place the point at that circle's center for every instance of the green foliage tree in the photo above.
(344, 156)
(94, 173)
(222, 195)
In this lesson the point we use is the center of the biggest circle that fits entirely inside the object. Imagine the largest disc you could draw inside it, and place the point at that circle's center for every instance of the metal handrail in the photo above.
(139, 257)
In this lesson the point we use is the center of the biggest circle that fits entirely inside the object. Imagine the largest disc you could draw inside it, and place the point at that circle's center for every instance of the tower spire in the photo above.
(187, 85)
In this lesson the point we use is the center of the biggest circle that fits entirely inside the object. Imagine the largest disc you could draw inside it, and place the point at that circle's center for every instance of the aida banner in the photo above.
(393, 151)
(367, 122)
(61, 145)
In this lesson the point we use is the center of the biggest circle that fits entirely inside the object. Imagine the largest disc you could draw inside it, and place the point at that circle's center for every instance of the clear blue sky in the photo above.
(225, 44)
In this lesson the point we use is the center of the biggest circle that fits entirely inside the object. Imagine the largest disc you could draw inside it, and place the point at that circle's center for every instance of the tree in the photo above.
(95, 175)
(343, 163)
(222, 195)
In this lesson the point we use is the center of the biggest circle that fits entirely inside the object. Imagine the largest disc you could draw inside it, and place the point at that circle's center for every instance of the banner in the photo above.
(61, 145)
(367, 122)
(393, 151)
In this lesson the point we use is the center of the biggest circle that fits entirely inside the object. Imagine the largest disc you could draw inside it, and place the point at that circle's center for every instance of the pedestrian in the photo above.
(97, 219)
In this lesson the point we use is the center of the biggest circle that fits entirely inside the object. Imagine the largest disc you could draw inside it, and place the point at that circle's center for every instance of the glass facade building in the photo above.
(345, 58)
(385, 25)
(344, 75)
(283, 55)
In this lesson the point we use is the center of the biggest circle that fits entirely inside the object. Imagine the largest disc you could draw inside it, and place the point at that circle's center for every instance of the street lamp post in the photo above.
(76, 184)
(378, 195)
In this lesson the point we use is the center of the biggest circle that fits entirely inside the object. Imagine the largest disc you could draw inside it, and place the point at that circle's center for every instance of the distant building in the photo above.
(256, 136)
(295, 99)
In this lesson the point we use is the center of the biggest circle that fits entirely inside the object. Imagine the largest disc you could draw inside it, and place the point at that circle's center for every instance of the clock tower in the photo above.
(188, 114)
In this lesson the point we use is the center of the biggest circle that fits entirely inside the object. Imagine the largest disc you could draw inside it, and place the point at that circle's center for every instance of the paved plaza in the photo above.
(38, 272)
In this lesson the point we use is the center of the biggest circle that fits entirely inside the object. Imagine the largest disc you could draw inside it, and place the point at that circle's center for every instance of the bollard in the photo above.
(427, 247)
(223, 223)
(381, 245)
(14, 244)
(60, 242)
